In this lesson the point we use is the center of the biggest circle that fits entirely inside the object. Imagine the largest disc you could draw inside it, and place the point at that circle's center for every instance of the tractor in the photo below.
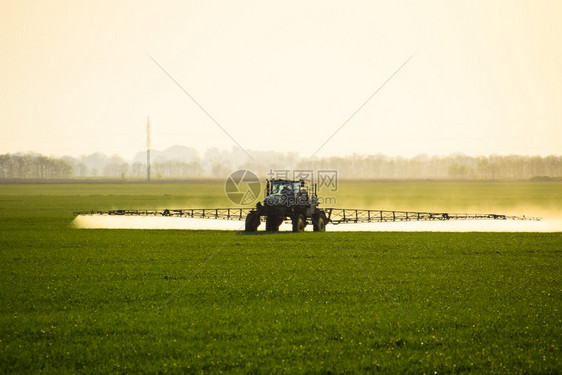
(288, 200)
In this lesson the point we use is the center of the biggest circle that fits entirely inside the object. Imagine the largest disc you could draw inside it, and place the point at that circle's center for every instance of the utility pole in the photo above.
(148, 148)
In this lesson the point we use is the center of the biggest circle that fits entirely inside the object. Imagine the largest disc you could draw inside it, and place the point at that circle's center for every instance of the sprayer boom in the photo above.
(334, 215)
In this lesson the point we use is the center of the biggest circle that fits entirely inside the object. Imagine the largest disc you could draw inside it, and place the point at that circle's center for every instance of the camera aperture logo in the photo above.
(242, 187)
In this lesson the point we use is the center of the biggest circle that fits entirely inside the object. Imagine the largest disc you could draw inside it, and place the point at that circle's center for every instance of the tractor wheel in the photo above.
(272, 224)
(252, 222)
(319, 225)
(299, 222)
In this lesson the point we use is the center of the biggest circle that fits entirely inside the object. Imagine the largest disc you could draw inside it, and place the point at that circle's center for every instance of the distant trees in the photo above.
(494, 167)
(219, 164)
(116, 170)
(33, 166)
(176, 168)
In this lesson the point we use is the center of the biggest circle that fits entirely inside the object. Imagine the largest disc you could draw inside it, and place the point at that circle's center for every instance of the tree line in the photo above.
(219, 164)
(33, 166)
(494, 167)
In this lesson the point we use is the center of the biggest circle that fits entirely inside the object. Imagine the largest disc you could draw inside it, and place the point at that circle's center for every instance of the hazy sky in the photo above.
(485, 76)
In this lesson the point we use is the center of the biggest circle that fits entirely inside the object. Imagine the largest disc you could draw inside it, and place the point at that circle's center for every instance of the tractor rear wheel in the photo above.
(252, 222)
(299, 222)
(319, 222)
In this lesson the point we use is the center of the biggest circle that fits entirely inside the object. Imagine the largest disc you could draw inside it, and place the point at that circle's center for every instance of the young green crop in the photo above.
(212, 301)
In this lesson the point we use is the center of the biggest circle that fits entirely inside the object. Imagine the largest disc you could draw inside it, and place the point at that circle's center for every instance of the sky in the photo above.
(321, 78)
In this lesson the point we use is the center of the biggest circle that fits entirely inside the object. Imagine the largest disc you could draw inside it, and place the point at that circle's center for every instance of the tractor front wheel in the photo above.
(252, 222)
(299, 222)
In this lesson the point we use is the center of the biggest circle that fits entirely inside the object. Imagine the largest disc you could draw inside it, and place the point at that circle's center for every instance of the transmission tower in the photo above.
(148, 148)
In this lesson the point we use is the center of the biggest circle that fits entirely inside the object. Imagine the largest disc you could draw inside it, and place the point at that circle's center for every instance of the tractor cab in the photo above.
(288, 193)
(284, 187)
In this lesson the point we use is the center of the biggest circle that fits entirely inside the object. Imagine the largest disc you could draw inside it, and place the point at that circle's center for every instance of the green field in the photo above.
(211, 301)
